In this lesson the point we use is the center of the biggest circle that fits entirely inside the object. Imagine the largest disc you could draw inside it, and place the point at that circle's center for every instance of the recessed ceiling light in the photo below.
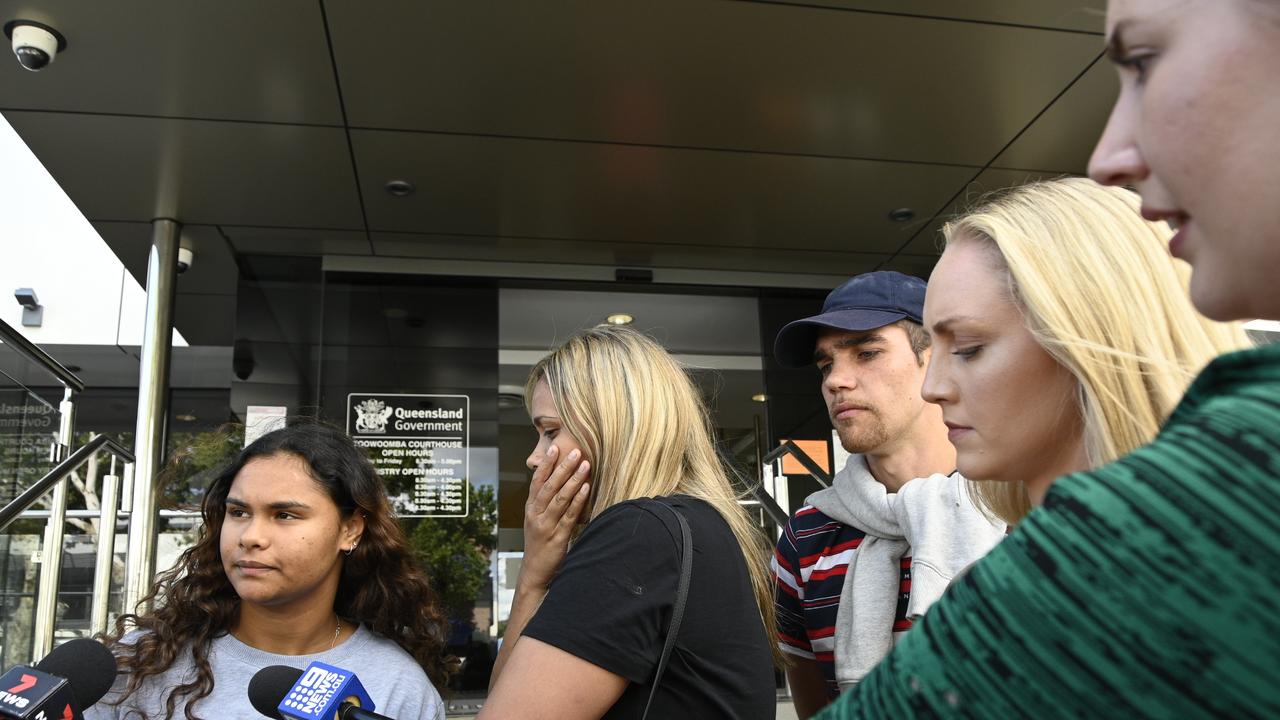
(400, 188)
(185, 418)
(903, 214)
(510, 397)
(619, 319)
(760, 397)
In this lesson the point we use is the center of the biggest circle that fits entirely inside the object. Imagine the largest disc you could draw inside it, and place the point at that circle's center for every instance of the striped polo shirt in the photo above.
(809, 567)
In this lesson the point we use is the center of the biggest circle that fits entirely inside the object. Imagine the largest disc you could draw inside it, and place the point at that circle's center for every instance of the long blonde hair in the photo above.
(1101, 294)
(644, 429)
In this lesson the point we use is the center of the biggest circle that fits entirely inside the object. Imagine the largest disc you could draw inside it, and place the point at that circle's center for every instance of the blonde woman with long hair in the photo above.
(1063, 337)
(625, 446)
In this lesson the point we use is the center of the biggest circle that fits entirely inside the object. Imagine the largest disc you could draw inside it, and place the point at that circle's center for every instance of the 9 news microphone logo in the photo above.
(319, 692)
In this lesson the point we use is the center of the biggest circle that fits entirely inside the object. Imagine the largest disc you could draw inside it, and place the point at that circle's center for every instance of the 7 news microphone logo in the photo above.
(35, 695)
(11, 696)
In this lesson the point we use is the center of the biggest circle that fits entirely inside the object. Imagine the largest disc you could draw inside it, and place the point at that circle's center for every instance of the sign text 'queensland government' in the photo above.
(420, 445)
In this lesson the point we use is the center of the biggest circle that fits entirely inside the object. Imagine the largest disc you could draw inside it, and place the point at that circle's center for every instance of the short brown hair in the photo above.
(919, 339)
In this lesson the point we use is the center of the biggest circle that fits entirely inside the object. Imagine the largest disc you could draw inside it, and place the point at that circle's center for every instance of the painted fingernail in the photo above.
(551, 451)
(573, 454)
(584, 467)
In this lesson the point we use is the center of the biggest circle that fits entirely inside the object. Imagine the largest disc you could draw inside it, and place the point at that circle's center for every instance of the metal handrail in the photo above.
(95, 514)
(32, 352)
(770, 505)
(56, 481)
(18, 505)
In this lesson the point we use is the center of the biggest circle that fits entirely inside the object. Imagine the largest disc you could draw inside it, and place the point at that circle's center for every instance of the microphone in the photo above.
(62, 685)
(321, 692)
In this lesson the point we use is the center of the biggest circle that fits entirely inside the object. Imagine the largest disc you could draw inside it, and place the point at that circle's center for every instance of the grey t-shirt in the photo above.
(398, 685)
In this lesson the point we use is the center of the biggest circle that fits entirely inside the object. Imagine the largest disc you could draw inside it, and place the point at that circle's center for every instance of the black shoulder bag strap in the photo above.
(677, 612)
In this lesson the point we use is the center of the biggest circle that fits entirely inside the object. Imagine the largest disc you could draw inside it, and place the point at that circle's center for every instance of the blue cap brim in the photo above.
(795, 342)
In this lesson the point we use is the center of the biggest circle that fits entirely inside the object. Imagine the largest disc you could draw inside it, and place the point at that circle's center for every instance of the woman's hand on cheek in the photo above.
(557, 498)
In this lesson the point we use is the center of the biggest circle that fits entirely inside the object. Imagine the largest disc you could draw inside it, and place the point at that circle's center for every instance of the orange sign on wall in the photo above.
(815, 449)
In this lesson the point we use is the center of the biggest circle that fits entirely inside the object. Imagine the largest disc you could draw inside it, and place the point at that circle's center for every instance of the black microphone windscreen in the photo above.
(269, 686)
(87, 666)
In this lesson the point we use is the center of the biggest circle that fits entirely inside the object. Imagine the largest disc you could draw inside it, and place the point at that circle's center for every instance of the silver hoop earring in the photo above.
(352, 548)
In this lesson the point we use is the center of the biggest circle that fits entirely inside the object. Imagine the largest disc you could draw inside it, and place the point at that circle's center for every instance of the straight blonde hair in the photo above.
(643, 427)
(1102, 295)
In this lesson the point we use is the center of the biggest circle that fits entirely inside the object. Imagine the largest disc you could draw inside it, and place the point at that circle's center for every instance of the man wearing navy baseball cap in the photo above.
(863, 558)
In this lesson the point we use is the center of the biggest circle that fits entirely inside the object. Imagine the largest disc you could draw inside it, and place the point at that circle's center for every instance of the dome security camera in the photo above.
(35, 44)
(185, 259)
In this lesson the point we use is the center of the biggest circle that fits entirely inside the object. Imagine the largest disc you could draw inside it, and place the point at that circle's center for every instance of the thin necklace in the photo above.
(336, 632)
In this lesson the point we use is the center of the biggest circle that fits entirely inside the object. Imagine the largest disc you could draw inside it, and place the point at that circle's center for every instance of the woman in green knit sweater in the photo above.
(1149, 587)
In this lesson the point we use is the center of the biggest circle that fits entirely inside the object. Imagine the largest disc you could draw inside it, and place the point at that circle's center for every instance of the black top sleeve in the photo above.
(611, 602)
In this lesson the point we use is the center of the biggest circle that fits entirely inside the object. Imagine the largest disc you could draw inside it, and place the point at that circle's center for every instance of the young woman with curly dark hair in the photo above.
(299, 559)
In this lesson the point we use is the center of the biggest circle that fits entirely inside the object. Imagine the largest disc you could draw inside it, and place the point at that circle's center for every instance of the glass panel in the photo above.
(19, 578)
(198, 449)
(28, 430)
(80, 549)
(417, 358)
(796, 407)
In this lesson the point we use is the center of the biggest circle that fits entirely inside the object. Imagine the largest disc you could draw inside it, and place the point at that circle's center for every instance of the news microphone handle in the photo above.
(349, 711)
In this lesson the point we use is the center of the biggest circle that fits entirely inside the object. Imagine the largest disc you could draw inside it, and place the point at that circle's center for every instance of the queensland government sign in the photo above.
(420, 445)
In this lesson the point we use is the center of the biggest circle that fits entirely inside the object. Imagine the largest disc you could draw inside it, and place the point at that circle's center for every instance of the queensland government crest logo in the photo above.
(371, 417)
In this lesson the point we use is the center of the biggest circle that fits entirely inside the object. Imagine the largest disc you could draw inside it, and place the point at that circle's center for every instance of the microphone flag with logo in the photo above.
(70, 679)
(28, 694)
(320, 691)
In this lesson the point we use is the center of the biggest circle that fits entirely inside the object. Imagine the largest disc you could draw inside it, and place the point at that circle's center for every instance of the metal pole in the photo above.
(51, 562)
(106, 552)
(126, 491)
(153, 409)
(66, 422)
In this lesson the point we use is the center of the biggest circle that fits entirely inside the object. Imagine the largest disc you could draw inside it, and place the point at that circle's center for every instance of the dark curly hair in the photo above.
(380, 586)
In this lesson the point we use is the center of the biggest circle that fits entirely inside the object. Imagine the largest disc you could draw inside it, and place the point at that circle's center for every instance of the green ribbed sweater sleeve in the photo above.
(1146, 588)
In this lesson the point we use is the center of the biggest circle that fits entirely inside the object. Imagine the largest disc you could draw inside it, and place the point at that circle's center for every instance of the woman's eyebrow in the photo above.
(277, 505)
(945, 323)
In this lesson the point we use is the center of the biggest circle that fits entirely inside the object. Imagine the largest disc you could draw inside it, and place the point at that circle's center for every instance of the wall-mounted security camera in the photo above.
(35, 44)
(32, 310)
(185, 259)
(26, 297)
